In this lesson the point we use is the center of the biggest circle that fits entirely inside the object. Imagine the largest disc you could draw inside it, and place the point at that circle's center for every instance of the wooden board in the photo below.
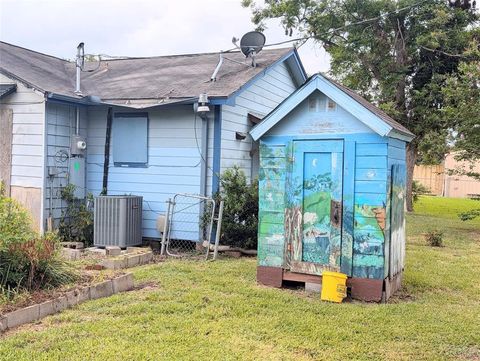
(6, 126)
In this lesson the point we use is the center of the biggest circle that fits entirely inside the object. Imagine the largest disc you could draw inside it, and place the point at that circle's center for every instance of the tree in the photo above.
(398, 54)
(462, 112)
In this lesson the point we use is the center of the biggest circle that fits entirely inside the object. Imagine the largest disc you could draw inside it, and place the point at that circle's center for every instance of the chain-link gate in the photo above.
(189, 225)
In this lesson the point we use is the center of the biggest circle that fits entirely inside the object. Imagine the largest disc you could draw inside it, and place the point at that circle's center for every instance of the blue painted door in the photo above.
(316, 182)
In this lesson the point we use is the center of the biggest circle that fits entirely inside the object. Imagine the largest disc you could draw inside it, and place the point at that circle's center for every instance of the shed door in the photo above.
(316, 183)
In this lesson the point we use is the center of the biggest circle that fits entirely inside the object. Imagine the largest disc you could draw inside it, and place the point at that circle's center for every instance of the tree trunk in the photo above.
(411, 159)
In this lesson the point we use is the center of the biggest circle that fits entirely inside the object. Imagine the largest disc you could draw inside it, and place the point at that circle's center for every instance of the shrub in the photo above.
(76, 224)
(240, 212)
(434, 238)
(418, 189)
(27, 260)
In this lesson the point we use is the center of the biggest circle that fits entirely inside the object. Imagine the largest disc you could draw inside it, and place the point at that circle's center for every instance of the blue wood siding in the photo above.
(174, 163)
(260, 97)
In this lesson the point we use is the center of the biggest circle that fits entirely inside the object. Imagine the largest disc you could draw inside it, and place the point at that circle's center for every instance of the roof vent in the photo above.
(79, 62)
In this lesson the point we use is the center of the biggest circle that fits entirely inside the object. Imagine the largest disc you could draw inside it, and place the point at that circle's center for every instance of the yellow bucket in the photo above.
(334, 286)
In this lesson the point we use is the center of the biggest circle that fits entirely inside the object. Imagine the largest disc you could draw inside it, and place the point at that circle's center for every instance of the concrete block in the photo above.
(135, 249)
(83, 294)
(147, 257)
(102, 289)
(71, 254)
(114, 263)
(313, 287)
(45, 309)
(3, 323)
(113, 251)
(72, 298)
(133, 260)
(123, 283)
(76, 245)
(24, 315)
(60, 304)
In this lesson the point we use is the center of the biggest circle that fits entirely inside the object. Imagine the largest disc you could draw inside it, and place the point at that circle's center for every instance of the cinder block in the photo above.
(135, 249)
(3, 323)
(24, 315)
(60, 304)
(147, 257)
(313, 287)
(45, 309)
(123, 283)
(72, 298)
(83, 294)
(114, 263)
(103, 289)
(71, 254)
(113, 251)
(133, 260)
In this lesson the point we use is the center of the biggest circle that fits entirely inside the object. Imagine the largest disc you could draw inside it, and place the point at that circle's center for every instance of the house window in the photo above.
(331, 106)
(130, 139)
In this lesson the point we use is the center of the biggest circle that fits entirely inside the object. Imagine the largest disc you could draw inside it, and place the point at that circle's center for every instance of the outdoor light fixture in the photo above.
(203, 104)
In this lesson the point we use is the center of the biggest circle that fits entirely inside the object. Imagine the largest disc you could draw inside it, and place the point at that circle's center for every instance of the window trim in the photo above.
(132, 115)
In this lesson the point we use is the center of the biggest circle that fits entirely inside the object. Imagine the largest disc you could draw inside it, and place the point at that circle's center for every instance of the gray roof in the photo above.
(137, 82)
(6, 89)
(377, 111)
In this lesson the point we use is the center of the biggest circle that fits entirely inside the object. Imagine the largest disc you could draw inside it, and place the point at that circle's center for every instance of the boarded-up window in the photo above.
(130, 139)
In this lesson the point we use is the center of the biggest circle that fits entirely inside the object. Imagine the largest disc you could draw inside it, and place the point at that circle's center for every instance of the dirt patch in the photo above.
(147, 286)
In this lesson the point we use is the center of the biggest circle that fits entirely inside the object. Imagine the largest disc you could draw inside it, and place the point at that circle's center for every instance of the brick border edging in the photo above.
(71, 298)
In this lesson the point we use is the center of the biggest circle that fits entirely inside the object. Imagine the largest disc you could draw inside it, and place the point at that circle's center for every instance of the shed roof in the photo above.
(138, 82)
(361, 108)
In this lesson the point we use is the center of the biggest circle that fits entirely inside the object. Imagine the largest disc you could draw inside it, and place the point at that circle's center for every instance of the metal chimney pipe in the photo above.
(78, 66)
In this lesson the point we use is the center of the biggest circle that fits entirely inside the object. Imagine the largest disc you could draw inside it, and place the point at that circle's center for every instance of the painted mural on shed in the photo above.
(331, 190)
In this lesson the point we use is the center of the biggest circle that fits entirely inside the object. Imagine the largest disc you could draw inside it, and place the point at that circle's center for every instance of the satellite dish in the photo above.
(252, 43)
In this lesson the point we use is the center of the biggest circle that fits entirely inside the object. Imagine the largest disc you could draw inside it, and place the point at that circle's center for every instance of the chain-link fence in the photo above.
(190, 223)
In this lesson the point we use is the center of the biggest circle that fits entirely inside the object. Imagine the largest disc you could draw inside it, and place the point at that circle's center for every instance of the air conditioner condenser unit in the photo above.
(117, 221)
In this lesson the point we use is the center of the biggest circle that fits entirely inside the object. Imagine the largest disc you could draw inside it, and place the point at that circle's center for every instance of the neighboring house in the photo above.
(441, 181)
(159, 146)
(331, 191)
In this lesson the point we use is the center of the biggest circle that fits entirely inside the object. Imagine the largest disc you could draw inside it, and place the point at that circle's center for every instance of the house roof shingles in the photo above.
(154, 78)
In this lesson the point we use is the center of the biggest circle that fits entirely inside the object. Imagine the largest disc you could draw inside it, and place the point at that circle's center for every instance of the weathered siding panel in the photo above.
(271, 233)
(27, 171)
(174, 162)
(260, 97)
(370, 208)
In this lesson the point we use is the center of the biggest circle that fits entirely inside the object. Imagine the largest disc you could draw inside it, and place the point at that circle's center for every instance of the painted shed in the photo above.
(331, 191)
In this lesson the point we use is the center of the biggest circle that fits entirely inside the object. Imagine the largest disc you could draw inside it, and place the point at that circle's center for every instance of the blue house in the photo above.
(331, 188)
(145, 107)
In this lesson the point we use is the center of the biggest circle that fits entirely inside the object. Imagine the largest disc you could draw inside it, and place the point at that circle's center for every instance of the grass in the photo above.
(215, 311)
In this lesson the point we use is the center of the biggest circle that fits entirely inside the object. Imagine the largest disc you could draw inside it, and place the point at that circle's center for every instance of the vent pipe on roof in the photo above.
(79, 65)
(215, 72)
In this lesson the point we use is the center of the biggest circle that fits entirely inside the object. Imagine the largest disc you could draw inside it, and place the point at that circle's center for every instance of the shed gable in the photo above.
(319, 114)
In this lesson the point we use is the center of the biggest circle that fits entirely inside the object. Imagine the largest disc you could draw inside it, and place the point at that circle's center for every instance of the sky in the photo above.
(137, 27)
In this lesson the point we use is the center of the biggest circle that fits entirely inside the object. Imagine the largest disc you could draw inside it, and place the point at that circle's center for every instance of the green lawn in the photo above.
(203, 311)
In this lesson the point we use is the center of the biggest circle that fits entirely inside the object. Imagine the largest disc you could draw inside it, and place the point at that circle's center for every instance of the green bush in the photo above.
(240, 212)
(76, 224)
(434, 238)
(418, 189)
(27, 260)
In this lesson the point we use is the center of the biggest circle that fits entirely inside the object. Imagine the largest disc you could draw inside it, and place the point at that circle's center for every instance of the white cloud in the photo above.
(136, 28)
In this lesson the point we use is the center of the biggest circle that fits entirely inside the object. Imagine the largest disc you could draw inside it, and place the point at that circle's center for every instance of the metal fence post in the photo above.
(165, 228)
(219, 228)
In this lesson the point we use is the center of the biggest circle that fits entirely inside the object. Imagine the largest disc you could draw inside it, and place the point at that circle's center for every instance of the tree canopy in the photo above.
(396, 53)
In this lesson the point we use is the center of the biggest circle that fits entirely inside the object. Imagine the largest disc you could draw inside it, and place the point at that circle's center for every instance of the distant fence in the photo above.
(440, 183)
